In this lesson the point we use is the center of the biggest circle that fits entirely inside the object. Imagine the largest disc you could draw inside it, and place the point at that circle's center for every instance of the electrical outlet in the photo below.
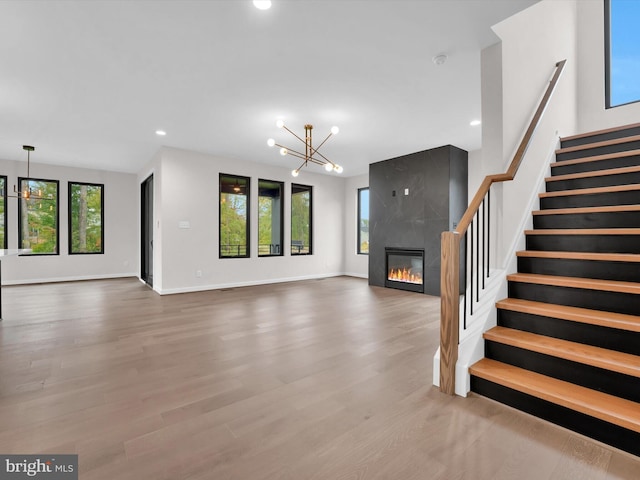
(198, 273)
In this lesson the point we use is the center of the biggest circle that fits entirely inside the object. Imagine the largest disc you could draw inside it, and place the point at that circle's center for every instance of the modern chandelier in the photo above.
(27, 193)
(311, 153)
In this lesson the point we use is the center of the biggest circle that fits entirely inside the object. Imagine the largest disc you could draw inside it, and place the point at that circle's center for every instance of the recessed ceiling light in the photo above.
(262, 4)
(475, 123)
(161, 133)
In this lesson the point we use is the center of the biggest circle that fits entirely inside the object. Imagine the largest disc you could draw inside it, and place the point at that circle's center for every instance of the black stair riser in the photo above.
(630, 178)
(588, 220)
(606, 381)
(584, 243)
(618, 162)
(630, 197)
(577, 297)
(605, 432)
(591, 152)
(601, 137)
(598, 336)
(621, 271)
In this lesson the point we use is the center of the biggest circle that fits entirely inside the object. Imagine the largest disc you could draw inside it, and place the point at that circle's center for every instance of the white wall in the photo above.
(187, 190)
(592, 114)
(120, 256)
(354, 265)
(532, 42)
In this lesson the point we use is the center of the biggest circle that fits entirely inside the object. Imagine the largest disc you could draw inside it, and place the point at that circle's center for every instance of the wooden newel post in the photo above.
(449, 310)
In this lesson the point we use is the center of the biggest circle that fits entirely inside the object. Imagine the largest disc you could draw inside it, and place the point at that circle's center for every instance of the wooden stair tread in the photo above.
(600, 132)
(609, 408)
(620, 321)
(591, 191)
(604, 358)
(595, 256)
(601, 209)
(576, 282)
(595, 158)
(583, 231)
(596, 173)
(604, 143)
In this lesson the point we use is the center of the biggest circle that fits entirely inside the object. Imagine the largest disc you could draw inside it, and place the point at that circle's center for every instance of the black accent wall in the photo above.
(436, 180)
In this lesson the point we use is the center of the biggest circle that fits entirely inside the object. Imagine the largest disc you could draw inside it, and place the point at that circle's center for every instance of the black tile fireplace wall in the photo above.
(412, 200)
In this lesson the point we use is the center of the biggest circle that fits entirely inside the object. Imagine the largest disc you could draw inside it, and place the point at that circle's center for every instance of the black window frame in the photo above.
(296, 249)
(70, 217)
(247, 193)
(3, 194)
(20, 240)
(274, 250)
(607, 59)
(359, 225)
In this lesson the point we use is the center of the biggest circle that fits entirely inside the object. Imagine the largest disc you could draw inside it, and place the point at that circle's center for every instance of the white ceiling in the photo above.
(89, 82)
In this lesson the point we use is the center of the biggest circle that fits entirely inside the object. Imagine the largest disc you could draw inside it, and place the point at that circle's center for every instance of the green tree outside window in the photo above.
(38, 216)
(86, 218)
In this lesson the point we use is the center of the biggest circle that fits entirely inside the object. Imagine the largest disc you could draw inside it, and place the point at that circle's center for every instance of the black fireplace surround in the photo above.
(412, 200)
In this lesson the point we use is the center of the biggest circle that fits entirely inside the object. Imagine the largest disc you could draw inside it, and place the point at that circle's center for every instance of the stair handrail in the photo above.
(450, 248)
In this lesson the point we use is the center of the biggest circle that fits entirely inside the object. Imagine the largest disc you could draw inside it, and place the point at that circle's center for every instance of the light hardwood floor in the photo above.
(324, 379)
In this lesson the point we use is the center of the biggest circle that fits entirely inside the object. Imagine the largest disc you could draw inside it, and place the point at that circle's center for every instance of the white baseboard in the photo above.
(219, 286)
(70, 279)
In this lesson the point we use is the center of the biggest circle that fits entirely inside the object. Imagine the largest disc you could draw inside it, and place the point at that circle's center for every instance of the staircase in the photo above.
(567, 344)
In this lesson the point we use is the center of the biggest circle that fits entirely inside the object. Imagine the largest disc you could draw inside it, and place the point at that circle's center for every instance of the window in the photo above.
(38, 216)
(622, 47)
(270, 214)
(86, 218)
(363, 221)
(300, 220)
(3, 211)
(234, 216)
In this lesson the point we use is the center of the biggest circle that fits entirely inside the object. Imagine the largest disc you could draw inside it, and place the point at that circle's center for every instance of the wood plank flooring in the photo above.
(321, 379)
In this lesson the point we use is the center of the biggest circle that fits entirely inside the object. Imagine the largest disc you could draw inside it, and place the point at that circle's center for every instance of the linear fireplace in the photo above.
(405, 269)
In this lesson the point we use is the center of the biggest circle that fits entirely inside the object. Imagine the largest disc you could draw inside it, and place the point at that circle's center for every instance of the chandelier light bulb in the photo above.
(328, 167)
(271, 142)
(283, 151)
(335, 130)
(338, 169)
(280, 123)
(295, 173)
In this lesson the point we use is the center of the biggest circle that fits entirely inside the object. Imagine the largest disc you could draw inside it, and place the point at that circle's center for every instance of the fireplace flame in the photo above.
(404, 275)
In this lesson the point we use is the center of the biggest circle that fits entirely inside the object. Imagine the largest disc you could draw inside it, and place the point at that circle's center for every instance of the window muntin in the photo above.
(86, 218)
(301, 220)
(622, 47)
(39, 216)
(270, 214)
(234, 216)
(363, 221)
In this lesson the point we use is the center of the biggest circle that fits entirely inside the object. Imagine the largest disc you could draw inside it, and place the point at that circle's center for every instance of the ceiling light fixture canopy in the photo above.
(311, 153)
(27, 193)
